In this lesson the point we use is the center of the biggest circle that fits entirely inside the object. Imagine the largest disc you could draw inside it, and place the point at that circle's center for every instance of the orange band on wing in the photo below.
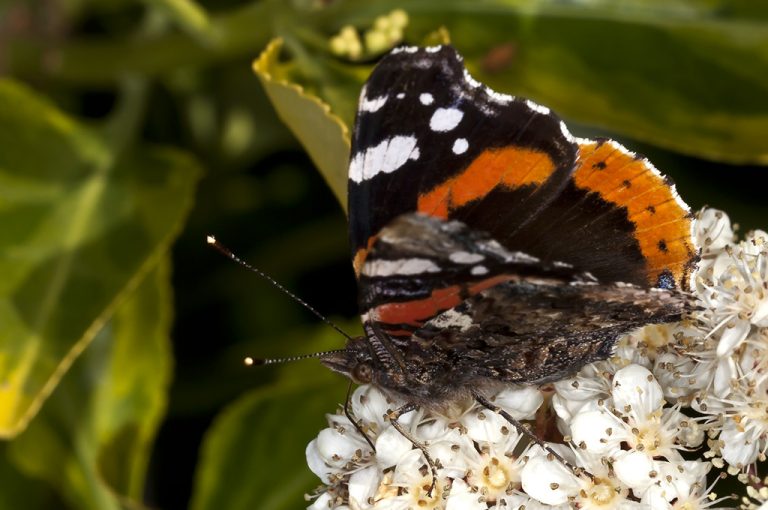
(417, 312)
(662, 223)
(510, 167)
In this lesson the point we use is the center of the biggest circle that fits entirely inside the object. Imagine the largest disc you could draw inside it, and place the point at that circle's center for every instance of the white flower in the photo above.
(744, 431)
(494, 471)
(411, 486)
(551, 483)
(625, 420)
(335, 449)
(736, 295)
(635, 417)
(681, 486)
(712, 232)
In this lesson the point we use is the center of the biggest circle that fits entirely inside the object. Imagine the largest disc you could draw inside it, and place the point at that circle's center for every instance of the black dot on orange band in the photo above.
(651, 209)
(627, 183)
(600, 165)
(663, 245)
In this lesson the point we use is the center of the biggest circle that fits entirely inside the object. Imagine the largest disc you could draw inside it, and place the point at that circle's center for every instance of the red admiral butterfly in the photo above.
(490, 245)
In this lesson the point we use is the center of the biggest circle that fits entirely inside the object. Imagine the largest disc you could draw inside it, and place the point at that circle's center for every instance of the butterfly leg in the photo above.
(357, 423)
(392, 417)
(577, 471)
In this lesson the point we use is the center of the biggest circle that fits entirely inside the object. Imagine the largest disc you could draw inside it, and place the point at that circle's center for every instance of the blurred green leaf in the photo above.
(19, 491)
(92, 439)
(322, 132)
(235, 32)
(253, 455)
(685, 76)
(82, 226)
(187, 14)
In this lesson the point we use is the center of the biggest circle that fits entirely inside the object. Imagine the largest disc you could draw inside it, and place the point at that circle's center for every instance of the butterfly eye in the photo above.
(362, 373)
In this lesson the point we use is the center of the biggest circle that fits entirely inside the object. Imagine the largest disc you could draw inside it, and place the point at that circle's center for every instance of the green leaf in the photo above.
(92, 439)
(684, 75)
(108, 58)
(187, 14)
(81, 227)
(20, 491)
(323, 134)
(253, 455)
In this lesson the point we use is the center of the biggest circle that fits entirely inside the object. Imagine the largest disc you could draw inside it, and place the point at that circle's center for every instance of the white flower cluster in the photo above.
(675, 403)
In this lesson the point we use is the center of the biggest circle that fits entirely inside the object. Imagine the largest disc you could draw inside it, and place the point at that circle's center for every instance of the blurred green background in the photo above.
(130, 129)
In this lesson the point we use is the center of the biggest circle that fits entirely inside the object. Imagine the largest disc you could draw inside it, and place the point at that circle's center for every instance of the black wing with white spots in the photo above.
(423, 120)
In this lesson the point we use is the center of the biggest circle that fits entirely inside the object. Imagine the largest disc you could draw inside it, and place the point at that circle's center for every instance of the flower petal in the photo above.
(634, 469)
(371, 405)
(548, 481)
(732, 336)
(599, 431)
(636, 392)
(739, 447)
(521, 403)
(316, 462)
(363, 485)
(391, 446)
(462, 498)
(485, 426)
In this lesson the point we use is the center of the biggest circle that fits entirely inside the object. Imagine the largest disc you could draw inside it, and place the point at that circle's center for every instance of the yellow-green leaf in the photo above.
(188, 14)
(253, 456)
(81, 228)
(91, 441)
(323, 134)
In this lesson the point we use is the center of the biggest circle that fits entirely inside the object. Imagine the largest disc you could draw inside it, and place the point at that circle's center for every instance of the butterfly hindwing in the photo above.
(420, 266)
(531, 332)
(450, 300)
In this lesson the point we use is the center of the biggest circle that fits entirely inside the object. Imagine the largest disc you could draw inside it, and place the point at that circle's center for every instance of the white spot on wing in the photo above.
(465, 257)
(460, 146)
(433, 49)
(406, 49)
(426, 98)
(400, 95)
(567, 134)
(445, 119)
(623, 149)
(537, 107)
(498, 96)
(515, 257)
(385, 157)
(372, 105)
(519, 256)
(479, 270)
(400, 267)
(471, 81)
(452, 318)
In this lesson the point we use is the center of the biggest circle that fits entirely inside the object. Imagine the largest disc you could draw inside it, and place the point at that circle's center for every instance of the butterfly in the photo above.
(491, 246)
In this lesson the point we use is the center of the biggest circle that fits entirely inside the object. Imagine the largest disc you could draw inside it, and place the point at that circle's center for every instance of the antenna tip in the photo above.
(210, 240)
(248, 361)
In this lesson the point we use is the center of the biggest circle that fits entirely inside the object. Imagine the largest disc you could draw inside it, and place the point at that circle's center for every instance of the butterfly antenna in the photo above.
(249, 361)
(228, 253)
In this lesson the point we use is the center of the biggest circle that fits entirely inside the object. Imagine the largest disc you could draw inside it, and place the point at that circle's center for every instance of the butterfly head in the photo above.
(355, 361)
